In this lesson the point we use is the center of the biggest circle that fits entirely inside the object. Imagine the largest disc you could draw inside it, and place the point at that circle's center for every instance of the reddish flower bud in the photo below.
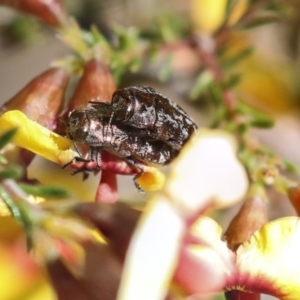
(294, 196)
(96, 84)
(99, 279)
(51, 12)
(252, 215)
(116, 222)
(41, 99)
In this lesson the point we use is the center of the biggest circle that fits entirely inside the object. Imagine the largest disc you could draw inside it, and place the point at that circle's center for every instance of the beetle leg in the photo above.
(138, 175)
(94, 157)
(84, 172)
(76, 159)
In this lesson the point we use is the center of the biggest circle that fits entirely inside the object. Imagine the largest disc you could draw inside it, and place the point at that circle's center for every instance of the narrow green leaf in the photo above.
(229, 63)
(135, 64)
(216, 93)
(99, 37)
(45, 191)
(11, 205)
(88, 38)
(290, 167)
(259, 21)
(164, 72)
(230, 7)
(14, 172)
(127, 37)
(219, 116)
(256, 117)
(262, 122)
(7, 136)
(201, 84)
(19, 212)
(232, 81)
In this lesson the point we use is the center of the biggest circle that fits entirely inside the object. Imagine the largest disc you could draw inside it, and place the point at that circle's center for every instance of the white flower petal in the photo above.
(153, 253)
(207, 169)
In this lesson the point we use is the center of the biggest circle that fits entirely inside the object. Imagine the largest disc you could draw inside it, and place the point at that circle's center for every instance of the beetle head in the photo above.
(78, 125)
(123, 105)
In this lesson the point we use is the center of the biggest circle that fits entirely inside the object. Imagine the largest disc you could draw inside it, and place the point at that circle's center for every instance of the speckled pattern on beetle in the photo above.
(155, 115)
(140, 126)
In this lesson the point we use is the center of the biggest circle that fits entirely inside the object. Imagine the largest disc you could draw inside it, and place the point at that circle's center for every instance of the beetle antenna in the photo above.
(77, 149)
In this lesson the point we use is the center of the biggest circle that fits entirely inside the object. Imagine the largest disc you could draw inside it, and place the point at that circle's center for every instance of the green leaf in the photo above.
(14, 172)
(230, 6)
(20, 212)
(23, 29)
(216, 93)
(231, 62)
(11, 205)
(3, 160)
(232, 81)
(99, 38)
(203, 81)
(164, 72)
(262, 121)
(219, 116)
(7, 136)
(259, 21)
(88, 38)
(45, 191)
(127, 37)
(256, 118)
(167, 28)
(290, 167)
(135, 64)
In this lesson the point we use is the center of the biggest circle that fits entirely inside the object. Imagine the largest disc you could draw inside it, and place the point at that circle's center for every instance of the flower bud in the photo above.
(116, 222)
(96, 84)
(294, 197)
(51, 12)
(41, 99)
(101, 275)
(252, 215)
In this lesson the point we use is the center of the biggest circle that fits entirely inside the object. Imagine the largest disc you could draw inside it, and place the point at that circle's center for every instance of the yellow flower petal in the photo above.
(208, 15)
(50, 173)
(152, 179)
(36, 138)
(206, 172)
(269, 262)
(16, 269)
(237, 12)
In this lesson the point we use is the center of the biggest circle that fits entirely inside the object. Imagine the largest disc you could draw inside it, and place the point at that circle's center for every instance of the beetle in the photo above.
(86, 126)
(156, 116)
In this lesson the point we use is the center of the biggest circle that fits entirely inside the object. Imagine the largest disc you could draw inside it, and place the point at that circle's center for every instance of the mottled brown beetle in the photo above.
(156, 116)
(86, 126)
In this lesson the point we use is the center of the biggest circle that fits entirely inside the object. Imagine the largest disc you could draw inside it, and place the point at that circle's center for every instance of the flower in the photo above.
(176, 247)
(173, 240)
